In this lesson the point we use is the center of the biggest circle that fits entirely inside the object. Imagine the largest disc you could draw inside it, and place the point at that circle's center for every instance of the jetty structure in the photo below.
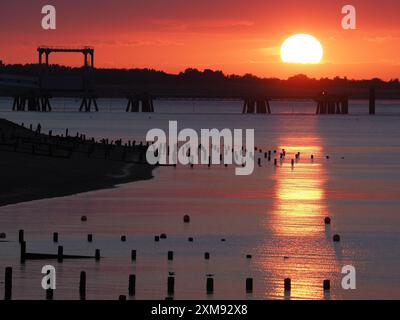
(35, 93)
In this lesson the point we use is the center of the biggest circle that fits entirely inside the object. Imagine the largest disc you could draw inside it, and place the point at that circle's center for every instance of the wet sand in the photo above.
(26, 176)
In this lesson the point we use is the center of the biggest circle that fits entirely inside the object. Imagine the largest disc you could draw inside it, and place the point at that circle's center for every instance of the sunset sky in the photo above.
(234, 36)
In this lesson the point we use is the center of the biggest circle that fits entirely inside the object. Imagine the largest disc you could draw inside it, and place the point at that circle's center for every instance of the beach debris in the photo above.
(3, 235)
(207, 256)
(83, 218)
(186, 218)
(327, 220)
(82, 285)
(287, 284)
(326, 285)
(336, 238)
(171, 285)
(132, 285)
(163, 236)
(123, 238)
(249, 285)
(170, 255)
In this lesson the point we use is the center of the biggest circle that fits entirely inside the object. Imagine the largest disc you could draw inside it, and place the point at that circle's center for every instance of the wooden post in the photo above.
(288, 284)
(8, 284)
(82, 286)
(60, 254)
(207, 256)
(23, 252)
(372, 100)
(90, 238)
(49, 294)
(171, 285)
(249, 285)
(55, 237)
(97, 255)
(210, 285)
(21, 236)
(327, 285)
(132, 285)
(170, 255)
(133, 255)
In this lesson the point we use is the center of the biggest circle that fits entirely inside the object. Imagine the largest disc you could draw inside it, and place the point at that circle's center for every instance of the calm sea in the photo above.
(276, 214)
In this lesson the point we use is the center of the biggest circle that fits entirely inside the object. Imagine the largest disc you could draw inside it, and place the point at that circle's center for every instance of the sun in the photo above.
(301, 48)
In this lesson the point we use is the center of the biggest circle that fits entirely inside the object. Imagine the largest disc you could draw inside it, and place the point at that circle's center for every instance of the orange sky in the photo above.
(234, 36)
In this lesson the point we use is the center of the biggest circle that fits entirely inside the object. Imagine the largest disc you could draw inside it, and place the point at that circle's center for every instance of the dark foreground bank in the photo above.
(36, 165)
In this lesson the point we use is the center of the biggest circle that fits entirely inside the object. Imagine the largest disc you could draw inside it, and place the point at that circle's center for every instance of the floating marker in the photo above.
(327, 220)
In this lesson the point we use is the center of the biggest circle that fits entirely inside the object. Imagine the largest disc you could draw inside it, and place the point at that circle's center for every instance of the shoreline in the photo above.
(33, 175)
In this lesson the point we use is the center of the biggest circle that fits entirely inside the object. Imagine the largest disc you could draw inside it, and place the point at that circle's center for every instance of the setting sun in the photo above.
(301, 48)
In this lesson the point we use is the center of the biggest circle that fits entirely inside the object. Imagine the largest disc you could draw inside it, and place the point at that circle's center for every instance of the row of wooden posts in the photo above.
(132, 278)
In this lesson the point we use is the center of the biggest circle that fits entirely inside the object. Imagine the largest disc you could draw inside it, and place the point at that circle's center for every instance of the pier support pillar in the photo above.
(372, 100)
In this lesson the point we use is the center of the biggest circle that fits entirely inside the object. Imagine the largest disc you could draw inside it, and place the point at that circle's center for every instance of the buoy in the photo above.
(327, 220)
(336, 238)
(186, 218)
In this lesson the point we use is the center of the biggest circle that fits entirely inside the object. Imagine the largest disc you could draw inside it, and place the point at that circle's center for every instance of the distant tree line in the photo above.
(116, 82)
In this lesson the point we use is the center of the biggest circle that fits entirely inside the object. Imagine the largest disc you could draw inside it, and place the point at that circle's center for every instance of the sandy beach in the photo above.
(30, 175)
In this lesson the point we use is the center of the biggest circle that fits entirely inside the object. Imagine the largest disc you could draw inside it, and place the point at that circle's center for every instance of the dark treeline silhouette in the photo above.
(209, 83)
